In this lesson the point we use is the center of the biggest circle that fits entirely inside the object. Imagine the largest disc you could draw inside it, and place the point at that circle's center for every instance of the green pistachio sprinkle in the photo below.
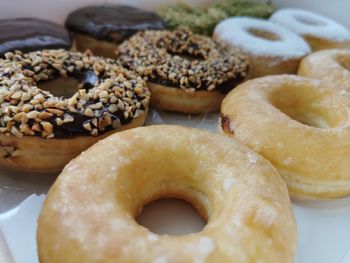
(202, 20)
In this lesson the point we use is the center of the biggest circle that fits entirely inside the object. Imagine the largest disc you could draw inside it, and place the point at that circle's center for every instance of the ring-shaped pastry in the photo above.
(300, 125)
(42, 132)
(101, 28)
(31, 34)
(271, 49)
(185, 72)
(319, 31)
(89, 213)
(332, 66)
(203, 20)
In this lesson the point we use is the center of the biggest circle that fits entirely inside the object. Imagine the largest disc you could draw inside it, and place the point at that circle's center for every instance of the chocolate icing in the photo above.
(121, 95)
(224, 87)
(88, 79)
(113, 23)
(30, 34)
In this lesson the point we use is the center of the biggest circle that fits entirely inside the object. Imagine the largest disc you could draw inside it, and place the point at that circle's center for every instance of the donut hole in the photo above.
(308, 106)
(264, 34)
(171, 216)
(66, 87)
(310, 21)
(164, 173)
(61, 87)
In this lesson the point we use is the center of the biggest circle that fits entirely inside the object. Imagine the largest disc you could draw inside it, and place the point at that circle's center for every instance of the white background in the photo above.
(58, 10)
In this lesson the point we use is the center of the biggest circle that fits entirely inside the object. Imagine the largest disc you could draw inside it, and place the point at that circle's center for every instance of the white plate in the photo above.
(323, 227)
(323, 230)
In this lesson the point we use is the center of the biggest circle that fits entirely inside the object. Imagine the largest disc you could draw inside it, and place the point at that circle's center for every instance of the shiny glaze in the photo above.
(113, 23)
(30, 34)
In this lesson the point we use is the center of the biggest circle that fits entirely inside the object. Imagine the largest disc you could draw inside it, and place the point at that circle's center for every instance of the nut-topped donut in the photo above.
(185, 72)
(36, 125)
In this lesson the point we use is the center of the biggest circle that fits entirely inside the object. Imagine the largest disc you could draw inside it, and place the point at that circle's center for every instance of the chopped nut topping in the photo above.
(87, 126)
(68, 118)
(47, 127)
(27, 110)
(183, 60)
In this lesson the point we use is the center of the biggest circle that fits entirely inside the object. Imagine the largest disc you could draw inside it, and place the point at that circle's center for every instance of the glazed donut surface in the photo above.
(300, 125)
(98, 195)
(332, 66)
(319, 31)
(108, 98)
(179, 64)
(31, 34)
(102, 28)
(271, 48)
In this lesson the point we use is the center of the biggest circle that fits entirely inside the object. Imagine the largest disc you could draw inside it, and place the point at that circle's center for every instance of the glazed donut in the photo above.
(102, 28)
(185, 72)
(300, 125)
(271, 49)
(42, 132)
(319, 31)
(31, 34)
(98, 195)
(328, 65)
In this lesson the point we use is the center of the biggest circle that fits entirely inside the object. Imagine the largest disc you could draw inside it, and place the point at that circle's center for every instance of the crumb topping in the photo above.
(202, 20)
(182, 59)
(108, 96)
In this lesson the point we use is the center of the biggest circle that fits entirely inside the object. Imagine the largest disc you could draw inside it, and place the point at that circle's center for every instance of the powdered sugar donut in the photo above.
(319, 31)
(272, 49)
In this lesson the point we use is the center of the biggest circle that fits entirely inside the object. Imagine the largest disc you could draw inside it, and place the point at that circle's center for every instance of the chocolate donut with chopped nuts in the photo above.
(185, 72)
(42, 132)
(102, 28)
(31, 34)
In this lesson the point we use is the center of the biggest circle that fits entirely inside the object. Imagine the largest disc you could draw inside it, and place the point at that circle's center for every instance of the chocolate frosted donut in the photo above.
(30, 34)
(101, 28)
(42, 132)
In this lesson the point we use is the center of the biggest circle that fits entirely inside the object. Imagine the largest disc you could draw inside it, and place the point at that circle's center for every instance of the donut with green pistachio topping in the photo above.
(202, 20)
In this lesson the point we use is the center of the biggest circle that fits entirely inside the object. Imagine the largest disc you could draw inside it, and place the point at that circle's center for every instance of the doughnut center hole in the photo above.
(309, 21)
(267, 35)
(308, 107)
(61, 87)
(171, 216)
(66, 87)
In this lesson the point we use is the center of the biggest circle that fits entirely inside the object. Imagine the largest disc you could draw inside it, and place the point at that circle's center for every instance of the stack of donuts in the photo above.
(284, 102)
